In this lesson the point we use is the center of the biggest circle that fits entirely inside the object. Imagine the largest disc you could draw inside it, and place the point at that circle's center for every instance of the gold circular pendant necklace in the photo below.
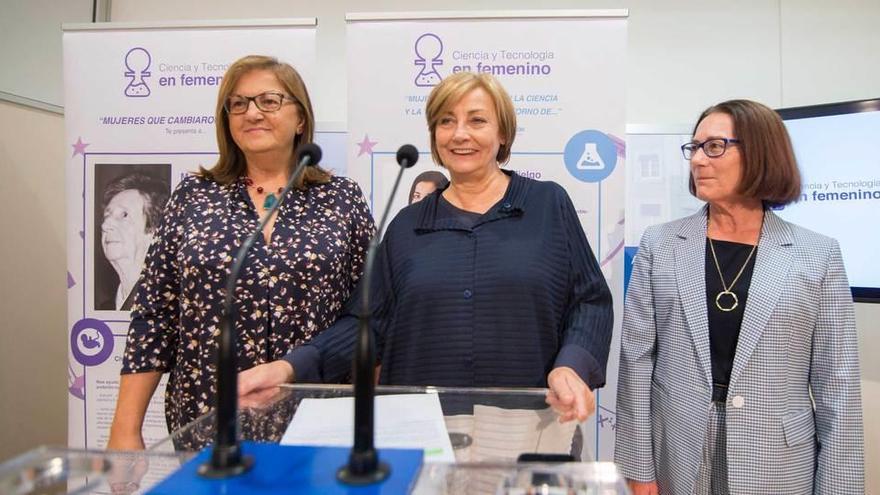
(727, 300)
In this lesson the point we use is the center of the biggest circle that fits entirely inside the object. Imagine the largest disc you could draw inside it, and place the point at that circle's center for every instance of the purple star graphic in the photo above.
(79, 147)
(366, 146)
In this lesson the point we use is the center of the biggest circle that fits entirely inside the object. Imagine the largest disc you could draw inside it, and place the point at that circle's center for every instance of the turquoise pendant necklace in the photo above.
(270, 199)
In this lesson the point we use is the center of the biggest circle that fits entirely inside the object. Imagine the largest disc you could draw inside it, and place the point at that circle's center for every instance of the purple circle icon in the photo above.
(91, 342)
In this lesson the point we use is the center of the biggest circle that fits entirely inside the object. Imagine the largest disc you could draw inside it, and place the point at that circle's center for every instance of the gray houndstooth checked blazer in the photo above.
(797, 337)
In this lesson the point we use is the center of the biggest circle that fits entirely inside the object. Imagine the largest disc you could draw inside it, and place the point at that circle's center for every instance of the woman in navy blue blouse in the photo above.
(295, 279)
(489, 281)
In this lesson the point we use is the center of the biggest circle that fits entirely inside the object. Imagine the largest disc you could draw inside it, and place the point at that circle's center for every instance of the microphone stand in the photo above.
(226, 456)
(364, 466)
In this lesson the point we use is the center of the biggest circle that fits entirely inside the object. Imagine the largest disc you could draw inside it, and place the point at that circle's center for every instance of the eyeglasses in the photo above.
(713, 148)
(269, 101)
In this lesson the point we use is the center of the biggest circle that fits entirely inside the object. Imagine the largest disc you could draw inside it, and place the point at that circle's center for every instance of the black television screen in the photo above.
(838, 150)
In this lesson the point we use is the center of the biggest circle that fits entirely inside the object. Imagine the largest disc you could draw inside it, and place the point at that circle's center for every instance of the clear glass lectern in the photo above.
(488, 429)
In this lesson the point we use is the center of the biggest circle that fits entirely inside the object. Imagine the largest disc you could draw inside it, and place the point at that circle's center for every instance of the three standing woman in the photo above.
(739, 364)
(738, 370)
(296, 278)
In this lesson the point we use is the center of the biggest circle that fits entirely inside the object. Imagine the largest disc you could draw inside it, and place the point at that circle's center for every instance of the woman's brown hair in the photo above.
(231, 164)
(769, 168)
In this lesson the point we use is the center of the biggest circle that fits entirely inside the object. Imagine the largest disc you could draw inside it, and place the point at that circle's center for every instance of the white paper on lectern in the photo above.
(412, 421)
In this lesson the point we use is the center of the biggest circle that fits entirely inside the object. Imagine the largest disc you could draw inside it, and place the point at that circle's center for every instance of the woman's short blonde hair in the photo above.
(453, 88)
(231, 164)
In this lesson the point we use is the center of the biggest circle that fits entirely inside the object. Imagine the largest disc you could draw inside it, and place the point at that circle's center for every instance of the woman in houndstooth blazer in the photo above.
(734, 319)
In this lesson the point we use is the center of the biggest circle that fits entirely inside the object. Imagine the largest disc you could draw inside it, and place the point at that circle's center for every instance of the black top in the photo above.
(498, 302)
(467, 218)
(724, 326)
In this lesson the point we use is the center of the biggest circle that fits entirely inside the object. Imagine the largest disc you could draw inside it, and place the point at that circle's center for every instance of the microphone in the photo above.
(364, 466)
(226, 457)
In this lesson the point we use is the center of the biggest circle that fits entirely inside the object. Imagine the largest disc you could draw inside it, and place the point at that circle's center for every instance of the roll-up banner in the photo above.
(566, 73)
(139, 102)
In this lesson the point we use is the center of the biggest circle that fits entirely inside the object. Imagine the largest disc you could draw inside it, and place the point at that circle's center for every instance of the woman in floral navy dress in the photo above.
(295, 279)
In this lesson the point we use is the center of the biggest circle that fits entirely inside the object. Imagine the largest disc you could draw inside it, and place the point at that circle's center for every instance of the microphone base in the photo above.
(347, 476)
(210, 471)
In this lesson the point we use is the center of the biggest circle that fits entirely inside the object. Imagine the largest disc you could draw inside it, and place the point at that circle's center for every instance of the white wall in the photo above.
(683, 55)
(33, 264)
(32, 64)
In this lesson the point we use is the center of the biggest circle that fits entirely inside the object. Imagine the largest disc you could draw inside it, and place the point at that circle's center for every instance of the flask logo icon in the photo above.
(590, 159)
(137, 65)
(590, 156)
(428, 48)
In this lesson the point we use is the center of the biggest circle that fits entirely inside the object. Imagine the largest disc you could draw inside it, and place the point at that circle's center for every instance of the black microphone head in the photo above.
(407, 155)
(309, 153)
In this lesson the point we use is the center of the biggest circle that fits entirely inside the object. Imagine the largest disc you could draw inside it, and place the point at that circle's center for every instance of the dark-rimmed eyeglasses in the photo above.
(270, 101)
(713, 148)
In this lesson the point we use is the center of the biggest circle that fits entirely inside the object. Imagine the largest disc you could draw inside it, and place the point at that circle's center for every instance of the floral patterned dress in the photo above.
(289, 290)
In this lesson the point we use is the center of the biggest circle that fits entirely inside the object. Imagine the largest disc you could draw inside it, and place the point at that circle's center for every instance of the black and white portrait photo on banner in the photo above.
(128, 205)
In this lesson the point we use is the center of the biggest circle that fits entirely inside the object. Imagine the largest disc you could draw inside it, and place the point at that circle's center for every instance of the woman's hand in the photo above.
(569, 395)
(259, 399)
(125, 441)
(264, 376)
(642, 487)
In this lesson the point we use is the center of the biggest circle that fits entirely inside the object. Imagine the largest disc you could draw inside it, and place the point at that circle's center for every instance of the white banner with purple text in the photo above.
(139, 109)
(566, 74)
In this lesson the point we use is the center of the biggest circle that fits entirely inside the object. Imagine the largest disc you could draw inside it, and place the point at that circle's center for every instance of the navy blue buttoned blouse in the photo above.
(496, 302)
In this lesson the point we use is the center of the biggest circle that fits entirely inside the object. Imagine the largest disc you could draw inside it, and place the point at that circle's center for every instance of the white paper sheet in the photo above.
(412, 421)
